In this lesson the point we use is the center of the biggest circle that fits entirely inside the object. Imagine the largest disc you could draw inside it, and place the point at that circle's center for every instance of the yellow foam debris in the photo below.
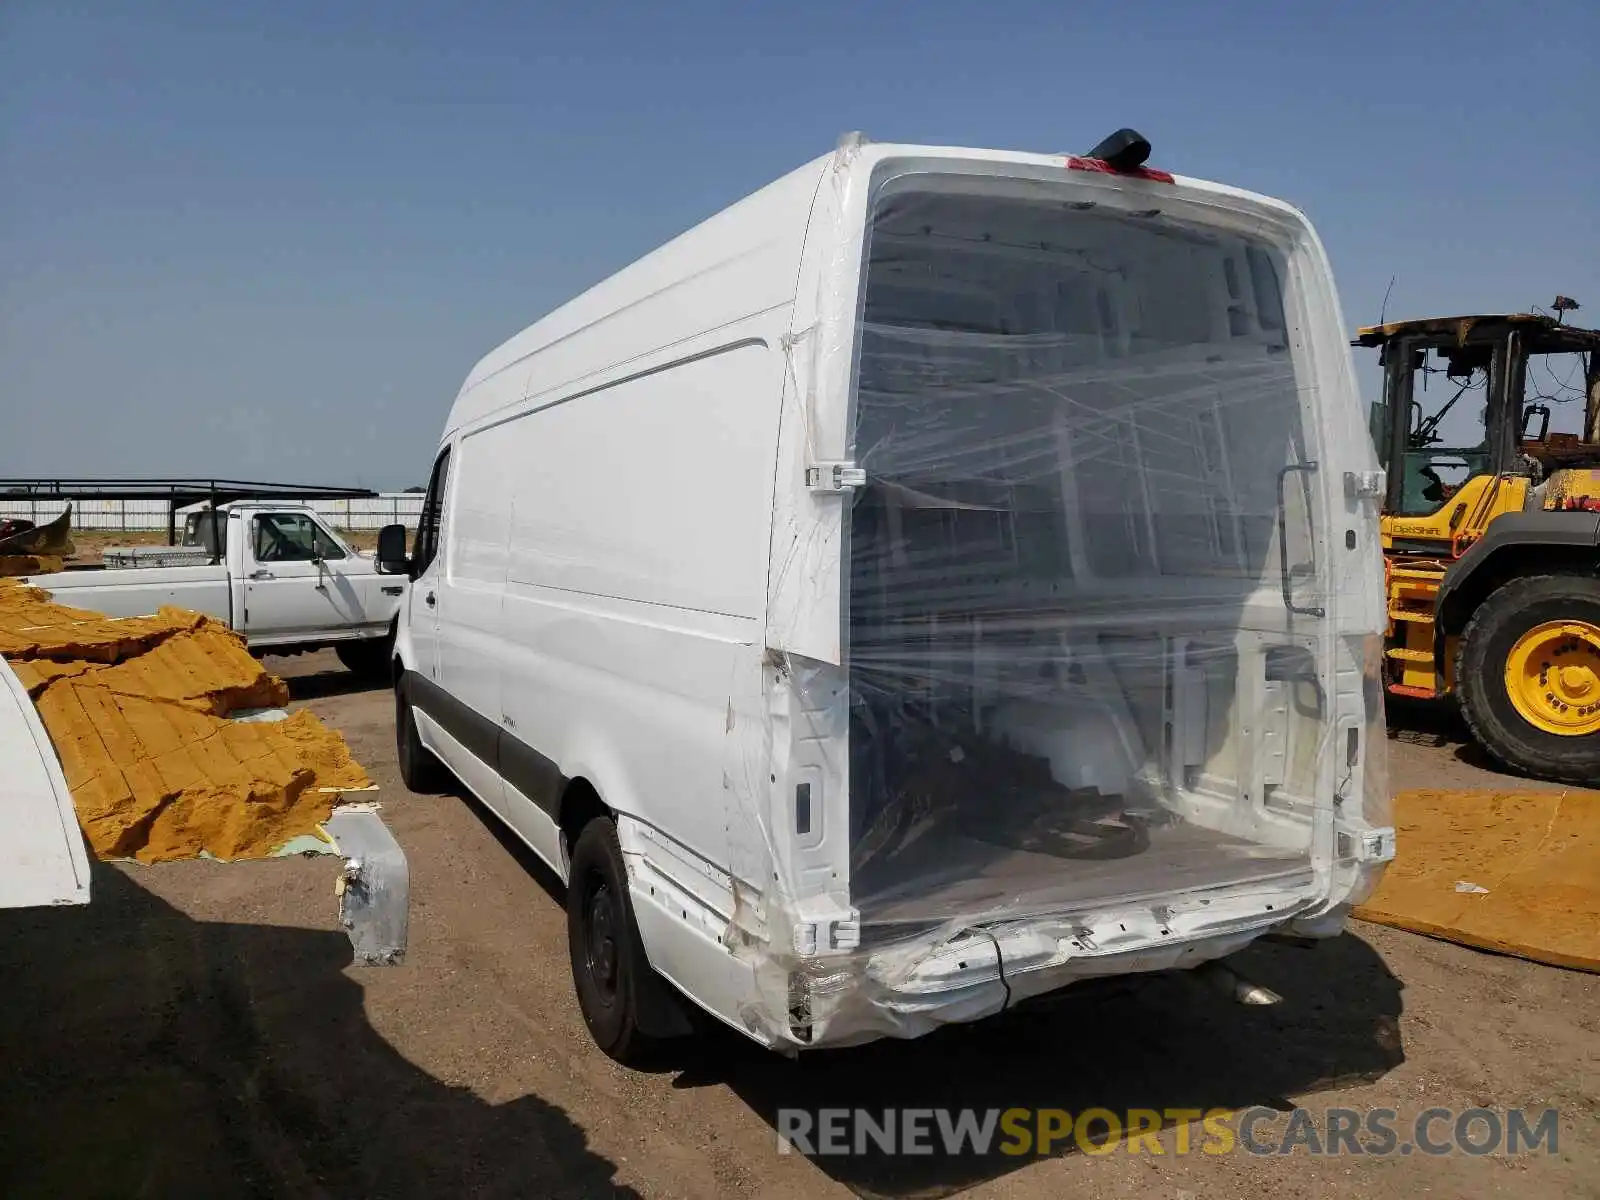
(36, 674)
(138, 712)
(34, 626)
(30, 564)
(1536, 854)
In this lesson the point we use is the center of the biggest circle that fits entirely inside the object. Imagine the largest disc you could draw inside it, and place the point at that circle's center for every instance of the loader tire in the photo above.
(1528, 676)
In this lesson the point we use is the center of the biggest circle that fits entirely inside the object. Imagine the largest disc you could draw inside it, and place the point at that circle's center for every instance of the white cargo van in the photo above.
(943, 575)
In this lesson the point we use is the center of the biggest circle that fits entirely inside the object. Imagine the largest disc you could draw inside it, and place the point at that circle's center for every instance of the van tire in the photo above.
(610, 973)
(420, 771)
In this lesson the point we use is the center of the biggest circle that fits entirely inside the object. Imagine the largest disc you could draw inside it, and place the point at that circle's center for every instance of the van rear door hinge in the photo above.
(1367, 846)
(834, 477)
(820, 938)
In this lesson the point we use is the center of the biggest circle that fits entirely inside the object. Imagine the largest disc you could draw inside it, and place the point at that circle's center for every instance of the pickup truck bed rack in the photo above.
(177, 492)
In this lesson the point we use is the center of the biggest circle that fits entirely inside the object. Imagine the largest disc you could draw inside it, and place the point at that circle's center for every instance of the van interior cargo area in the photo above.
(1011, 808)
(1084, 666)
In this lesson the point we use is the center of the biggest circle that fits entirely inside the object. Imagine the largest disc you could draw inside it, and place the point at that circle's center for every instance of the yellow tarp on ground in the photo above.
(138, 710)
(1535, 854)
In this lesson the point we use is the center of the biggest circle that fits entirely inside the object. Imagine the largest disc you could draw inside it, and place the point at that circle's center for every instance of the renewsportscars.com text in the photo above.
(1375, 1132)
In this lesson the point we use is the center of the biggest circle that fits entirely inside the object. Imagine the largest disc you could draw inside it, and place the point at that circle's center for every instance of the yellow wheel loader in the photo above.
(1491, 532)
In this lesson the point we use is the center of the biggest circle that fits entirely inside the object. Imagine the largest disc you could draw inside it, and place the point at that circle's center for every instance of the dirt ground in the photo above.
(199, 1030)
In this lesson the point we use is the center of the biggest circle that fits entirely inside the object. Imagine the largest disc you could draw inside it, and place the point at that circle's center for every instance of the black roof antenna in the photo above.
(1124, 150)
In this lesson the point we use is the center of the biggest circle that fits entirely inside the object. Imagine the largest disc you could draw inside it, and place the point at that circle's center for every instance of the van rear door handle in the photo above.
(428, 600)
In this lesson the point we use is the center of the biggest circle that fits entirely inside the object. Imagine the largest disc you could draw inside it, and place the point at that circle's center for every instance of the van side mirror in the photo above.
(391, 556)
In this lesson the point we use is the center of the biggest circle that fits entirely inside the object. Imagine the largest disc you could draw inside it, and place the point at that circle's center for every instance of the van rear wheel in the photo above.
(609, 969)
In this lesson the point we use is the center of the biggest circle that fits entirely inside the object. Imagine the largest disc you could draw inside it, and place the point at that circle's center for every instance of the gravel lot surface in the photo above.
(199, 1030)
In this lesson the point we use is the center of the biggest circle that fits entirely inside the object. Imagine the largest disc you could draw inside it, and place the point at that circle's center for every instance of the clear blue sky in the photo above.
(269, 239)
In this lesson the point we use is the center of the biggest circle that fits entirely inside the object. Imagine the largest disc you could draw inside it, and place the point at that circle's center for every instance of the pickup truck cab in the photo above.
(275, 572)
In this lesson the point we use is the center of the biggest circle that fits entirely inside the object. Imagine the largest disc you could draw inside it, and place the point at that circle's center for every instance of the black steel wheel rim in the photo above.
(600, 923)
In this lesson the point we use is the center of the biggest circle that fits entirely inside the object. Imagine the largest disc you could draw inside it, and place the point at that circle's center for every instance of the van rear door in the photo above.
(1089, 635)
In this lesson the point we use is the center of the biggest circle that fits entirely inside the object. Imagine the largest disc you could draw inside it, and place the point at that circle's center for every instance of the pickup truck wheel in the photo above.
(609, 968)
(368, 658)
(420, 771)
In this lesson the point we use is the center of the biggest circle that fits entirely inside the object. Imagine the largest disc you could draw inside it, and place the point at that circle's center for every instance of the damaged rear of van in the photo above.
(940, 577)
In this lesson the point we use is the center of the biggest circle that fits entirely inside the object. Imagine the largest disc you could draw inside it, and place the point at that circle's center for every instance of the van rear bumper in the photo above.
(982, 992)
(913, 986)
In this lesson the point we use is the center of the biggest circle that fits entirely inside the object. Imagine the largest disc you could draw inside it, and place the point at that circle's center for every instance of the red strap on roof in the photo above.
(1078, 163)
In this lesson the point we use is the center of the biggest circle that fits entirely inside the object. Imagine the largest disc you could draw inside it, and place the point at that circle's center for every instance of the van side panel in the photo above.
(656, 490)
(629, 440)
(637, 580)
(740, 261)
(480, 512)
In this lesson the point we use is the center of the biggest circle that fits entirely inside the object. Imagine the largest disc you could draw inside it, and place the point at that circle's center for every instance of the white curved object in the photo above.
(42, 859)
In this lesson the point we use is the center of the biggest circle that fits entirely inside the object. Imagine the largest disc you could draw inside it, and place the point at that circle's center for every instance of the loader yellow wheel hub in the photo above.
(1553, 677)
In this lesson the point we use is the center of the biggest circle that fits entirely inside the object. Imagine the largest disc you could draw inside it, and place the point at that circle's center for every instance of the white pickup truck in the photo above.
(275, 572)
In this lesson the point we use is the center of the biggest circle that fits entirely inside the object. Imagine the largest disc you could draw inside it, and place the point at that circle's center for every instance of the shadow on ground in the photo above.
(147, 1054)
(1160, 1042)
(1439, 723)
(1152, 1042)
(322, 684)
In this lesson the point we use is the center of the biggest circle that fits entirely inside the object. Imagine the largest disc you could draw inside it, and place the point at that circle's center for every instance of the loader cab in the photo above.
(1470, 400)
(1489, 431)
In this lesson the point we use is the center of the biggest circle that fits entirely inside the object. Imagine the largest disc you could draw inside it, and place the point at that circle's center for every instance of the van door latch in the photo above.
(1360, 484)
(835, 477)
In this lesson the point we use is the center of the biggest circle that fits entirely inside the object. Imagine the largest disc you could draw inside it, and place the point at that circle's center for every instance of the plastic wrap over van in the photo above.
(818, 361)
(1093, 711)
